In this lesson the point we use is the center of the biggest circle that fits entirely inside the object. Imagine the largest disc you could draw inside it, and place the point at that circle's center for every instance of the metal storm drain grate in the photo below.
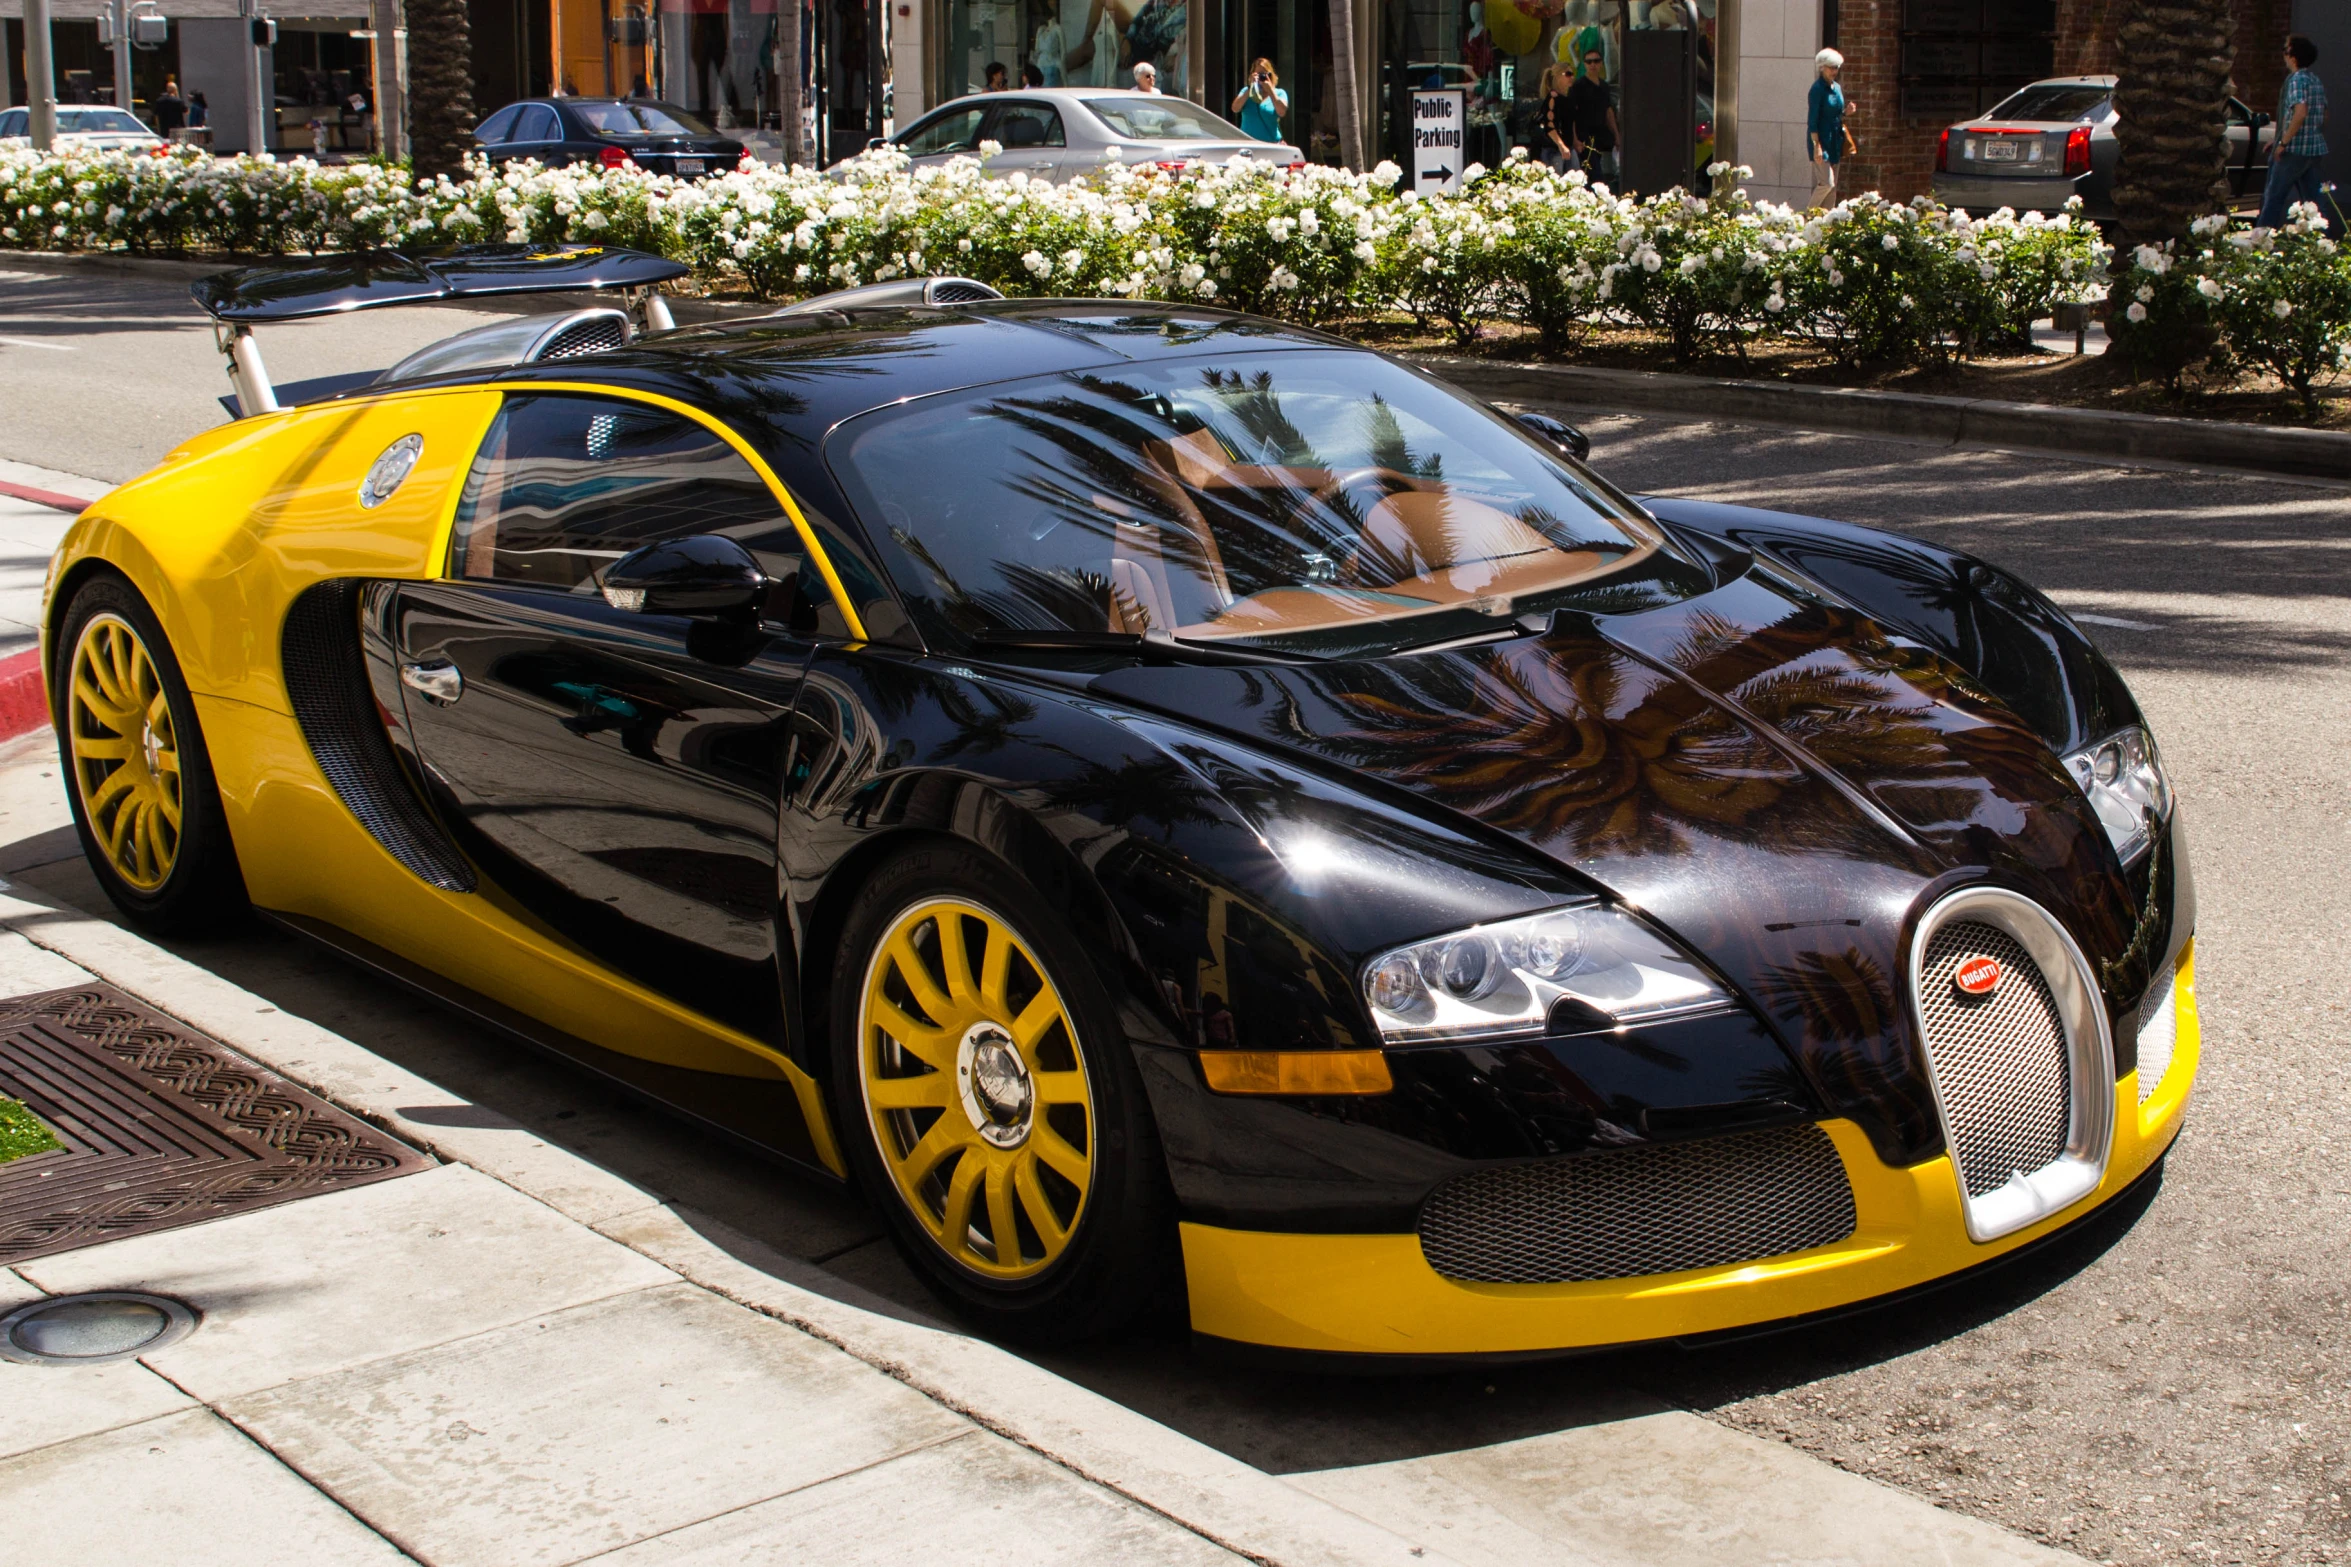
(92, 1330)
(160, 1126)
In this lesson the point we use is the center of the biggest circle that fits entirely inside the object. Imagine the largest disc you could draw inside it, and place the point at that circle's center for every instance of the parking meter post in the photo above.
(40, 72)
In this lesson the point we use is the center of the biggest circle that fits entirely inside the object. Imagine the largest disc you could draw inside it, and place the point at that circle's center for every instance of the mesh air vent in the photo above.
(327, 683)
(962, 291)
(1710, 1203)
(1999, 1059)
(2159, 1032)
(595, 335)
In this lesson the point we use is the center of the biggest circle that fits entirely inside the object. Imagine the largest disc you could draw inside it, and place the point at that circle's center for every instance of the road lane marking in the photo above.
(2088, 619)
(27, 342)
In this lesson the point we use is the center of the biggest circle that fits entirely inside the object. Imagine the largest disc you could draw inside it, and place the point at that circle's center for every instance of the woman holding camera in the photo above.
(1262, 105)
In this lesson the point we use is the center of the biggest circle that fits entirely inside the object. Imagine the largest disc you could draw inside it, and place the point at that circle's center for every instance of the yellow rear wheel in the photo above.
(125, 751)
(975, 1083)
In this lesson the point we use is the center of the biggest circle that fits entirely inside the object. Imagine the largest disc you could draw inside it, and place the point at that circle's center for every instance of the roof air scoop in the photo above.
(525, 341)
(902, 292)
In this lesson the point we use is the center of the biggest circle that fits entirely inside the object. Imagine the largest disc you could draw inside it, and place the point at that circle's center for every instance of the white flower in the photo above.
(2281, 309)
(2208, 288)
(1890, 242)
(1036, 262)
(2146, 294)
(1283, 278)
(2135, 314)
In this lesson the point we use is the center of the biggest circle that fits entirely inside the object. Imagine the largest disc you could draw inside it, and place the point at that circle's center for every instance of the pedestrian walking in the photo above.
(171, 110)
(1558, 128)
(2301, 145)
(1591, 113)
(1147, 78)
(1824, 126)
(1262, 105)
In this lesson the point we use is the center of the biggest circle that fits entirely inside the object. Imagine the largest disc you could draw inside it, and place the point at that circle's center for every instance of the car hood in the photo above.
(1768, 774)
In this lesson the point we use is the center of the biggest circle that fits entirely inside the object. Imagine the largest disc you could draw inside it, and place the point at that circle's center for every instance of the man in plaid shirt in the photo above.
(2301, 144)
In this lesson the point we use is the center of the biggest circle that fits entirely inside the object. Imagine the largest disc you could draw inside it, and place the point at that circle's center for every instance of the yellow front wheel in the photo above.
(974, 1088)
(991, 1105)
(142, 790)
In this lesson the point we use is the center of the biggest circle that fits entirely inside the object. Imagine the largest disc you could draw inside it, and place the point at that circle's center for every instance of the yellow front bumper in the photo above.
(1376, 1294)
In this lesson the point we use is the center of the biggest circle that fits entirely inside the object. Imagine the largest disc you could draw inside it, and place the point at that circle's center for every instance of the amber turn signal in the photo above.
(1296, 1071)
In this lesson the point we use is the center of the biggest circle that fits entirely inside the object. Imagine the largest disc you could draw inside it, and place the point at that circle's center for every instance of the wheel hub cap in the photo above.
(995, 1086)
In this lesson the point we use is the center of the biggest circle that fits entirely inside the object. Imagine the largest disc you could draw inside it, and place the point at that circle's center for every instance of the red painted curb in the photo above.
(24, 697)
(25, 492)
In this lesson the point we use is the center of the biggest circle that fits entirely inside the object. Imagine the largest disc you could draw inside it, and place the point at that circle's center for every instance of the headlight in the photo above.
(1506, 978)
(2122, 776)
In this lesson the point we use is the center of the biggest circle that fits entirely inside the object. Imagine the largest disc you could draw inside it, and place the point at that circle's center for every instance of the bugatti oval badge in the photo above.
(1978, 976)
(389, 470)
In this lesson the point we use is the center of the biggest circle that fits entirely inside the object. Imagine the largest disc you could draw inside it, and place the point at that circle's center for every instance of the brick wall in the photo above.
(1898, 156)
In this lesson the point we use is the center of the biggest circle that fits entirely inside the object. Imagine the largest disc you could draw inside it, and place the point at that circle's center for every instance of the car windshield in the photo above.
(639, 119)
(1324, 503)
(101, 122)
(1161, 119)
(2059, 101)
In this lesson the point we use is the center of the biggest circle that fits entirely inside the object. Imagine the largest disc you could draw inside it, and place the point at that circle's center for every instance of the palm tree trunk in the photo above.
(1343, 84)
(2174, 58)
(440, 88)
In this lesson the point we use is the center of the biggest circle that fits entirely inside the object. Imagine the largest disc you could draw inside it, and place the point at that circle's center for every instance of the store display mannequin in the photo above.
(1584, 24)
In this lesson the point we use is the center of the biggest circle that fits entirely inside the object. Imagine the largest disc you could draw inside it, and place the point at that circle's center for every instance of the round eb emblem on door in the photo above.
(390, 470)
(1977, 976)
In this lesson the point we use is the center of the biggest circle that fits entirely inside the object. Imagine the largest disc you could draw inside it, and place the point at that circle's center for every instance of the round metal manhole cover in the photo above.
(92, 1330)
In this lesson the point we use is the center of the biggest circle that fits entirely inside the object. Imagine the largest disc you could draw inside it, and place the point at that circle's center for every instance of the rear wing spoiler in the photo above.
(299, 289)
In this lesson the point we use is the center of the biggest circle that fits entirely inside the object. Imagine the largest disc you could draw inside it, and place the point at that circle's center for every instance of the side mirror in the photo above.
(702, 575)
(1551, 432)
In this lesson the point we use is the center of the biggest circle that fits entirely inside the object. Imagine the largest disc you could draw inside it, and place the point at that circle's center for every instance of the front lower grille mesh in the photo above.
(1999, 1059)
(326, 682)
(1626, 1212)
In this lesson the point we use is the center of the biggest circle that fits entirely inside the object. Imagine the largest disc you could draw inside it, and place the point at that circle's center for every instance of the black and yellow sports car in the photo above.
(1159, 799)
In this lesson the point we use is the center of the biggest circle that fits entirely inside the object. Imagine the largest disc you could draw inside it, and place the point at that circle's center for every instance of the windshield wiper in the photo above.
(1155, 648)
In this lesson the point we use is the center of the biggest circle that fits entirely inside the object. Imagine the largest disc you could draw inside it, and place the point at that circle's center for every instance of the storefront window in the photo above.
(1497, 51)
(1294, 36)
(1068, 43)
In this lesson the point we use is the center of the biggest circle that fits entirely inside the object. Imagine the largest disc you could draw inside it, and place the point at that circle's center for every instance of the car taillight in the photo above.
(2077, 151)
(1943, 152)
(1172, 165)
(612, 157)
(1295, 167)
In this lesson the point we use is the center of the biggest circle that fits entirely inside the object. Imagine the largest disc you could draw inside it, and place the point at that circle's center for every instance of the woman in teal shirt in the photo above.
(1262, 104)
(1824, 126)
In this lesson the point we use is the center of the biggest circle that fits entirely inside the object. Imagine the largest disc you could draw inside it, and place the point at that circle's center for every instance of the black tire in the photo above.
(201, 887)
(1120, 1254)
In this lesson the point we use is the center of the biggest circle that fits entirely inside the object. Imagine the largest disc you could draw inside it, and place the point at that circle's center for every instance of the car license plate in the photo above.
(2000, 152)
(694, 165)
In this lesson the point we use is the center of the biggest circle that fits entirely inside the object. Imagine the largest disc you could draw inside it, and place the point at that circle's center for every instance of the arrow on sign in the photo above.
(1440, 174)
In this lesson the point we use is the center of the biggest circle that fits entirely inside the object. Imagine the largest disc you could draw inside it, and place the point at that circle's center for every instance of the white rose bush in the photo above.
(1869, 281)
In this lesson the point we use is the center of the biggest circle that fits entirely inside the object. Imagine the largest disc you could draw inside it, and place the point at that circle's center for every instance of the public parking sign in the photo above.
(1440, 116)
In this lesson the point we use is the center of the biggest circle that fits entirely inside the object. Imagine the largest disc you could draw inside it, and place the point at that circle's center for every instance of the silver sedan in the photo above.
(1058, 133)
(2054, 140)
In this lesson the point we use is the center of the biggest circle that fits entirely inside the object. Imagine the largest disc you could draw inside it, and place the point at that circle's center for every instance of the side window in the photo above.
(498, 127)
(538, 123)
(956, 131)
(1027, 125)
(564, 486)
(13, 123)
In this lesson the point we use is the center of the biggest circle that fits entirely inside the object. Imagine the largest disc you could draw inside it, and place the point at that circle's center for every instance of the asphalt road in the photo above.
(2171, 1383)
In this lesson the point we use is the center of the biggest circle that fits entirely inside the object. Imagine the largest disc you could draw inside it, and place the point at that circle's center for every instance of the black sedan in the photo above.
(561, 132)
(1177, 808)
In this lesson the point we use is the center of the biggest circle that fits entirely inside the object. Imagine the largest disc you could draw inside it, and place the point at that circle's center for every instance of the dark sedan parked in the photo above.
(560, 132)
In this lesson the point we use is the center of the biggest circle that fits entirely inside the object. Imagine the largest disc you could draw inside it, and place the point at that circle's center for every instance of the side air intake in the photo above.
(326, 680)
(897, 293)
(525, 341)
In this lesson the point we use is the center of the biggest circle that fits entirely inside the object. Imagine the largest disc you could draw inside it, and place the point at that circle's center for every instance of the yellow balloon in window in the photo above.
(1514, 26)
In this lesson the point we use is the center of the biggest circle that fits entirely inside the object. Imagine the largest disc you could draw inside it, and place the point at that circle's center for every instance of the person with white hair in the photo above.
(1824, 126)
(1146, 77)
